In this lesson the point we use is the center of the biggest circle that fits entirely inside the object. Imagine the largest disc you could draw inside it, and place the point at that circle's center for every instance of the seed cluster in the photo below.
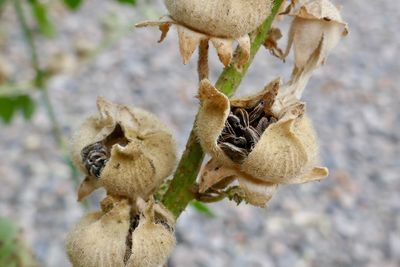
(95, 157)
(243, 129)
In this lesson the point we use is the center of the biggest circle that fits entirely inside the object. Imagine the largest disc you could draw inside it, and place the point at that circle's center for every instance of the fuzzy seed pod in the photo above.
(117, 237)
(281, 150)
(128, 151)
(220, 21)
(152, 242)
(220, 18)
(99, 238)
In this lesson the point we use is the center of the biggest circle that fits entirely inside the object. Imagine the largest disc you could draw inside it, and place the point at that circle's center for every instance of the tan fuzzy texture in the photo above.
(220, 18)
(286, 152)
(136, 167)
(257, 193)
(317, 27)
(189, 40)
(313, 21)
(152, 242)
(99, 238)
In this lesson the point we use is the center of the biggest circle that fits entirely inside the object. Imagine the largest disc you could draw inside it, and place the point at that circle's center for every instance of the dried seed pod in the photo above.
(315, 21)
(220, 18)
(116, 237)
(99, 238)
(316, 29)
(221, 21)
(128, 151)
(153, 240)
(286, 151)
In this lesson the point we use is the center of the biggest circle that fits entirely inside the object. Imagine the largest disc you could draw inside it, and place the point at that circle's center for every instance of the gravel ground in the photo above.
(350, 219)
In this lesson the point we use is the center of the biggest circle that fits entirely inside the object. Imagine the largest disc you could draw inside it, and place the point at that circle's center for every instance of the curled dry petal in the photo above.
(190, 39)
(286, 151)
(138, 151)
(256, 192)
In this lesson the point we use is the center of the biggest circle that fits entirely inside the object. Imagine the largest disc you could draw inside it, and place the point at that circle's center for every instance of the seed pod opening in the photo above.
(283, 149)
(128, 151)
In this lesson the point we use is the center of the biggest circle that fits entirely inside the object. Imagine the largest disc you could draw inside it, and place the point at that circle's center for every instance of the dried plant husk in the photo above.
(153, 240)
(316, 29)
(103, 238)
(286, 152)
(315, 21)
(137, 148)
(220, 21)
(220, 18)
(99, 238)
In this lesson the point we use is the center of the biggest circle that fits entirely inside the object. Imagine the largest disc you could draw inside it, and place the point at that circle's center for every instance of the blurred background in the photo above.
(57, 56)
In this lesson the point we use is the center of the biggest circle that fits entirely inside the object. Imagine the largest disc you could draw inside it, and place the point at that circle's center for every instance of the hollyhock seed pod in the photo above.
(153, 240)
(245, 137)
(128, 151)
(118, 237)
(221, 21)
(99, 238)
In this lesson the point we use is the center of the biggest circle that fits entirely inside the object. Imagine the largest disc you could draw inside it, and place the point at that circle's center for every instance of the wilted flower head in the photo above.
(221, 21)
(128, 151)
(253, 143)
(316, 29)
(119, 237)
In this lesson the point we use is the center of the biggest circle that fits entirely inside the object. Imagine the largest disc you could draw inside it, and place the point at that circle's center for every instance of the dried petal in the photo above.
(224, 49)
(257, 193)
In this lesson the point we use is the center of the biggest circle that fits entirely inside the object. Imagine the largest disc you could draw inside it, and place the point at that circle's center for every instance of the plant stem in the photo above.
(40, 83)
(180, 191)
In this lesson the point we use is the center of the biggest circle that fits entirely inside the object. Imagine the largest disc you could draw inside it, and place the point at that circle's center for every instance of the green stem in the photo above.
(180, 191)
(40, 83)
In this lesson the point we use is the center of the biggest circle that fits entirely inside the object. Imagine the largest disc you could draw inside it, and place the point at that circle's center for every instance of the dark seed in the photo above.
(235, 153)
(234, 121)
(243, 116)
(257, 111)
(95, 157)
(252, 137)
(238, 141)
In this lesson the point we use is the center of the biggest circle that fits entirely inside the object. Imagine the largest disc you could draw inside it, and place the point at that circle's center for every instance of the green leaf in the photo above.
(203, 209)
(130, 2)
(9, 105)
(12, 250)
(7, 108)
(73, 4)
(40, 13)
(26, 105)
(2, 2)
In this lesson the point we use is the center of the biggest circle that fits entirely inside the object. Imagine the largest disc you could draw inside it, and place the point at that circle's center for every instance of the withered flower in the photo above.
(221, 21)
(128, 151)
(119, 236)
(316, 29)
(247, 140)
